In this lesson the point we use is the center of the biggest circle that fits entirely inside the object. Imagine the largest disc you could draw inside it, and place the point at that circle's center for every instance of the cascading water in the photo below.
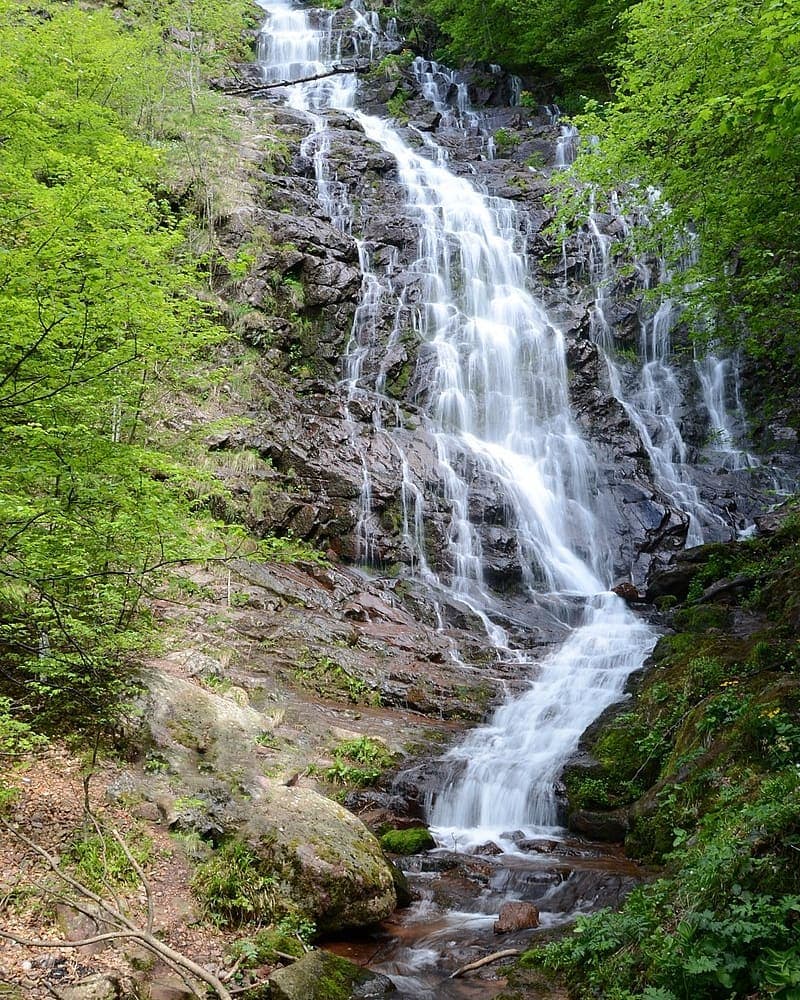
(653, 398)
(497, 407)
(719, 380)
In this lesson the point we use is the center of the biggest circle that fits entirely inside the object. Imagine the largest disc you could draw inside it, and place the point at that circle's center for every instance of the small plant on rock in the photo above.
(359, 762)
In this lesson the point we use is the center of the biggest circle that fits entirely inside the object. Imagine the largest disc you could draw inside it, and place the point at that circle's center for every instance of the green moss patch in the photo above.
(412, 841)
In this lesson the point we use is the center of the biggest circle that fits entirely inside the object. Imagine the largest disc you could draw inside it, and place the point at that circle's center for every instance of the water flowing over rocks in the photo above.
(496, 432)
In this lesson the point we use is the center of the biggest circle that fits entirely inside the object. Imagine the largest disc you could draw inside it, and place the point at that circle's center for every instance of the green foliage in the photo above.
(291, 935)
(722, 925)
(397, 105)
(98, 314)
(710, 748)
(359, 762)
(99, 860)
(332, 680)
(16, 737)
(567, 44)
(290, 550)
(505, 141)
(707, 109)
(233, 886)
(412, 841)
(392, 65)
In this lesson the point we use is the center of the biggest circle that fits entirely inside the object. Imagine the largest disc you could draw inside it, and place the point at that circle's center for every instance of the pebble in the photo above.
(27, 966)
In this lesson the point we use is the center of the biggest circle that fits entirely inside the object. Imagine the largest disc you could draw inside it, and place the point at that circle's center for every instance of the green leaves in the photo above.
(97, 315)
(707, 109)
(569, 43)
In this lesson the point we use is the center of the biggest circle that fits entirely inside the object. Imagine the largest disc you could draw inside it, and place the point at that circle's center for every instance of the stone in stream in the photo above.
(517, 916)
(320, 975)
(489, 848)
(536, 846)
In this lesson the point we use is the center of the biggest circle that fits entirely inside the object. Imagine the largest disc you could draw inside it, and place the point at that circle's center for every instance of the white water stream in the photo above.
(497, 403)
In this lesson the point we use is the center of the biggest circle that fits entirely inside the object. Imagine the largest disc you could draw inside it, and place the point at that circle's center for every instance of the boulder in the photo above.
(320, 975)
(331, 866)
(674, 577)
(328, 865)
(609, 827)
(100, 987)
(517, 916)
(536, 846)
(628, 592)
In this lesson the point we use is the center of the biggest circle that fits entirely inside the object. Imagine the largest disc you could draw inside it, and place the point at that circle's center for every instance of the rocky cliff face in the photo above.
(317, 432)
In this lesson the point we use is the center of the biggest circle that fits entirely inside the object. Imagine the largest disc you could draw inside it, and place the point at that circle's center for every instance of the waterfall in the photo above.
(653, 398)
(496, 406)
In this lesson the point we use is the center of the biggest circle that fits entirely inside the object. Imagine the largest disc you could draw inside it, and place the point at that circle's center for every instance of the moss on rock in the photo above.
(411, 841)
(320, 975)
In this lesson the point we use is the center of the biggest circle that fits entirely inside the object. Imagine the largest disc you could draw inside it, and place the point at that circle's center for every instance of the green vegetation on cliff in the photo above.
(707, 109)
(705, 762)
(100, 321)
(567, 46)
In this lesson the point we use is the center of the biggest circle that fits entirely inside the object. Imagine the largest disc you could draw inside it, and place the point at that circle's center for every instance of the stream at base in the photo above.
(451, 924)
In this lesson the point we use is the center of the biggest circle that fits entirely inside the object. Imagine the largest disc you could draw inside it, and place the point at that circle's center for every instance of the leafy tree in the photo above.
(97, 310)
(567, 45)
(707, 109)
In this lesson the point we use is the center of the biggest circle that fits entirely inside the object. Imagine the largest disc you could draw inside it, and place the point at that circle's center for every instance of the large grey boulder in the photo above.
(320, 975)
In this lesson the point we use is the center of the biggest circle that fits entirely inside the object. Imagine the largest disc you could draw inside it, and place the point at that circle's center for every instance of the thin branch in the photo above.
(487, 960)
(81, 943)
(130, 929)
(254, 89)
(151, 910)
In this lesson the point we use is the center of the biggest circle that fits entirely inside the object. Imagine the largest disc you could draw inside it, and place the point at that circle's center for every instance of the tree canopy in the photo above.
(700, 100)
(97, 310)
(707, 109)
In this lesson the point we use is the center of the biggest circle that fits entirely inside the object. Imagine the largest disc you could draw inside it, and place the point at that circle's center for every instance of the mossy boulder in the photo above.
(322, 861)
(322, 976)
(328, 863)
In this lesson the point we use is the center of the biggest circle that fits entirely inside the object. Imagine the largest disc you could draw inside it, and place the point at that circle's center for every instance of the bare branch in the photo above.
(128, 929)
(142, 878)
(254, 89)
(487, 960)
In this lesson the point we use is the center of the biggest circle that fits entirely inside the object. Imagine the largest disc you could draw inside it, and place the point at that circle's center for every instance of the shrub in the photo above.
(233, 888)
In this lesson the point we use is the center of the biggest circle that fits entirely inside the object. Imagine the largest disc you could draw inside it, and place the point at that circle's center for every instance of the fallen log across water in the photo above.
(254, 89)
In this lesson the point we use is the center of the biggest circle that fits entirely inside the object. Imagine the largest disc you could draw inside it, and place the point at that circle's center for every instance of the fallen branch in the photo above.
(254, 89)
(113, 917)
(494, 957)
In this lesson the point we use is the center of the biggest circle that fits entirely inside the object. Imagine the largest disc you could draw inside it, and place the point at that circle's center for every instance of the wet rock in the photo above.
(607, 827)
(536, 846)
(415, 785)
(489, 849)
(673, 577)
(402, 887)
(517, 916)
(770, 523)
(628, 592)
(319, 975)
